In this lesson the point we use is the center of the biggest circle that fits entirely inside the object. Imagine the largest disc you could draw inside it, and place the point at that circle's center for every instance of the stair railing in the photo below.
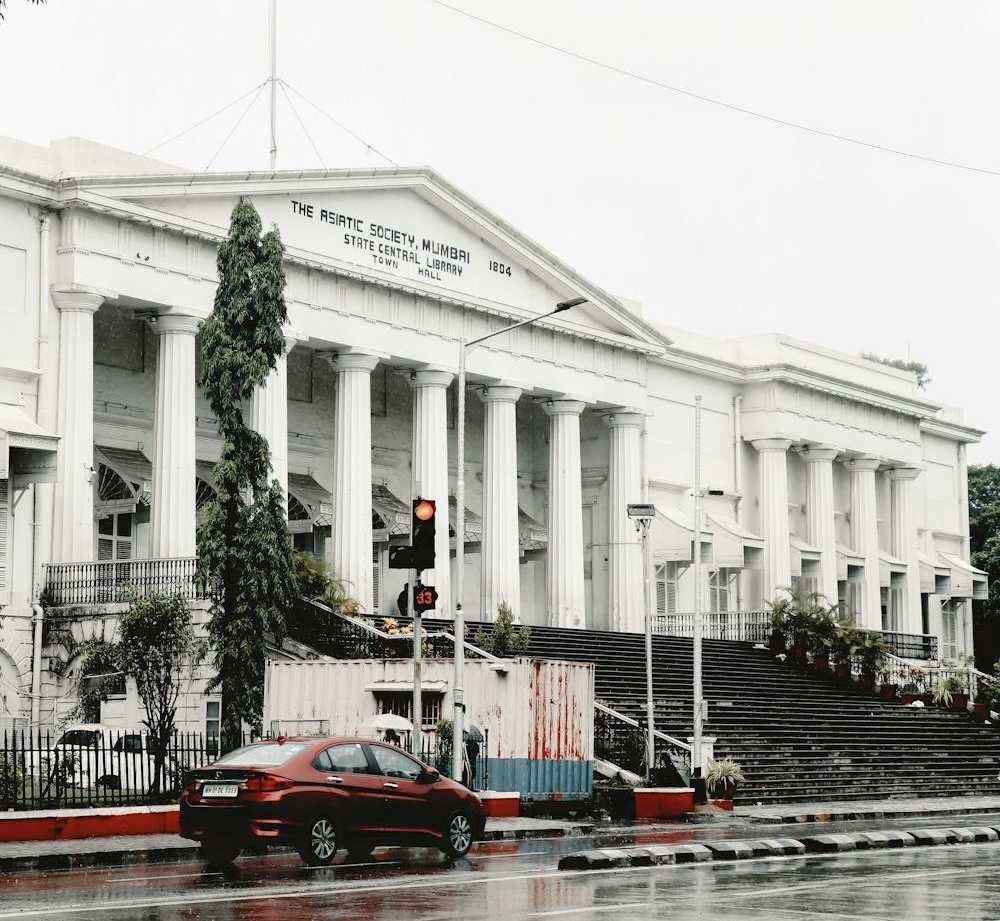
(363, 639)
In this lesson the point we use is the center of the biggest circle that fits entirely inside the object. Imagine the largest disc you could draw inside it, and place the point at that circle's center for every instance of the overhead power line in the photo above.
(709, 99)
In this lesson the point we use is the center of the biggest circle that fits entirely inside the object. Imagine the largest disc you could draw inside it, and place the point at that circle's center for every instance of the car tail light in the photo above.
(267, 783)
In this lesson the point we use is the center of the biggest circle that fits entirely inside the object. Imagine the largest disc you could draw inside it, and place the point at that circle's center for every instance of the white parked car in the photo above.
(97, 755)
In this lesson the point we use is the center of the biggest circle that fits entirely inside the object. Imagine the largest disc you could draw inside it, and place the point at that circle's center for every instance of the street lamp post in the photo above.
(698, 713)
(458, 691)
(643, 516)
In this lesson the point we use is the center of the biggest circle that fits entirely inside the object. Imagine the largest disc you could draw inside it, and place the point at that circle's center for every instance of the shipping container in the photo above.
(536, 716)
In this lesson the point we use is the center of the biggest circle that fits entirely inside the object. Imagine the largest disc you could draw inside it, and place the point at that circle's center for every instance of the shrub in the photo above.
(11, 781)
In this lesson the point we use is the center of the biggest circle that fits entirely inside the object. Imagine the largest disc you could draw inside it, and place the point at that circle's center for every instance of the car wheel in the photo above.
(458, 835)
(319, 842)
(220, 853)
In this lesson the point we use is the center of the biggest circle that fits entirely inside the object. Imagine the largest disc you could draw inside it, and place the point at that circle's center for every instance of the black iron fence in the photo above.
(88, 766)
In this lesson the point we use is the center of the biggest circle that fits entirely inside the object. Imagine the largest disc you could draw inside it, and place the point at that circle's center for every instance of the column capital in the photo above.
(771, 444)
(814, 454)
(903, 473)
(499, 393)
(70, 300)
(352, 360)
(293, 336)
(858, 464)
(428, 377)
(175, 323)
(623, 417)
(561, 406)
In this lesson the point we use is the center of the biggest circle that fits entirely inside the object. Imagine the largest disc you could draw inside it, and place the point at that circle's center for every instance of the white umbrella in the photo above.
(383, 721)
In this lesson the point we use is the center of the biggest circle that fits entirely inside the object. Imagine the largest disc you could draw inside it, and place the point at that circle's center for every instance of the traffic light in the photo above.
(422, 529)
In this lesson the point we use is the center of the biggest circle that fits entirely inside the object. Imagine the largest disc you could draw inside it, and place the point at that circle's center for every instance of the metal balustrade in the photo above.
(742, 626)
(118, 581)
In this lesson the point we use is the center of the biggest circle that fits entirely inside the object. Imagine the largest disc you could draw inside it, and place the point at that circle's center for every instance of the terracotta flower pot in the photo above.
(889, 691)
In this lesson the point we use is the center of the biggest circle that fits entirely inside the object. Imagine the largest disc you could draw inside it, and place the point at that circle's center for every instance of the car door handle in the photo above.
(389, 785)
(335, 779)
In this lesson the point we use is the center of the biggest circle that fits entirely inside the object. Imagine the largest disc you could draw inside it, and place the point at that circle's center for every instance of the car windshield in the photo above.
(78, 737)
(263, 754)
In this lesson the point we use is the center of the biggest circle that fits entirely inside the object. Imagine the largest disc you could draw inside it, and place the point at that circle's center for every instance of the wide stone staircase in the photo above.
(799, 734)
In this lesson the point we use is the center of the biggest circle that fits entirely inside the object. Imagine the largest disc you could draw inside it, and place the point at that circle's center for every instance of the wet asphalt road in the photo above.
(515, 880)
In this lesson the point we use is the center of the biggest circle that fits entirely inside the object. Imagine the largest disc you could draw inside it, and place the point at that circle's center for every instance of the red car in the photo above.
(320, 795)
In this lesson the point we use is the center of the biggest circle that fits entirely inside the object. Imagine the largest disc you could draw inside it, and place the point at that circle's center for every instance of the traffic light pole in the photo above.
(418, 664)
(458, 688)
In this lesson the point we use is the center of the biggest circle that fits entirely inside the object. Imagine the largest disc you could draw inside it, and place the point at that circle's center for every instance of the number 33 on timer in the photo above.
(424, 598)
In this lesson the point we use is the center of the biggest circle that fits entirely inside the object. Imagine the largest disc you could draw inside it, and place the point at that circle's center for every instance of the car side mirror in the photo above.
(431, 775)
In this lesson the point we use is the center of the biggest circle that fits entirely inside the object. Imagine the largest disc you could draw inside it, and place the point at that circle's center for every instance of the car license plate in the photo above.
(220, 790)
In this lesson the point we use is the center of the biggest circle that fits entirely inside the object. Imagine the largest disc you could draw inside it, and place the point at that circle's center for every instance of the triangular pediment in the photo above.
(405, 228)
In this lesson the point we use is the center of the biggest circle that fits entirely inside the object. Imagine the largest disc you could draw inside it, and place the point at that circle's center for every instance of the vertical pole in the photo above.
(647, 553)
(418, 663)
(696, 754)
(274, 84)
(458, 690)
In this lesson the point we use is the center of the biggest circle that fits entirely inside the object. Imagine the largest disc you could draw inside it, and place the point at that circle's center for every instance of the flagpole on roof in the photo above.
(274, 84)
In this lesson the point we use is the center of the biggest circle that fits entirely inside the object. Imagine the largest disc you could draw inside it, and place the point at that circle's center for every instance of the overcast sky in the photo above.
(717, 221)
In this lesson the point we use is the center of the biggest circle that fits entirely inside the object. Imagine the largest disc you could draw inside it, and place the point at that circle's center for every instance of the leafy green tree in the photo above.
(156, 643)
(98, 676)
(3, 6)
(505, 639)
(244, 548)
(984, 538)
(916, 367)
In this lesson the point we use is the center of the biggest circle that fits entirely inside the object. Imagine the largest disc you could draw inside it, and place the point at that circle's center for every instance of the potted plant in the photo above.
(873, 653)
(797, 617)
(820, 638)
(780, 623)
(941, 695)
(723, 777)
(887, 685)
(846, 639)
(986, 694)
(914, 687)
(957, 684)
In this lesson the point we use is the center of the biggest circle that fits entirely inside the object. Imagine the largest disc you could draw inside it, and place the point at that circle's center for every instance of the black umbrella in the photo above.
(473, 733)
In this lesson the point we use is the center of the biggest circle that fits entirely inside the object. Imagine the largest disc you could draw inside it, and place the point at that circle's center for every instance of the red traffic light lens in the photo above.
(424, 510)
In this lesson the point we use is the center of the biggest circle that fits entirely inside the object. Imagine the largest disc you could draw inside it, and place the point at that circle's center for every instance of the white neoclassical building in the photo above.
(817, 469)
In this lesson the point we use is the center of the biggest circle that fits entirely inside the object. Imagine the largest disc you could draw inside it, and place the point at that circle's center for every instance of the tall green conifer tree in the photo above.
(244, 548)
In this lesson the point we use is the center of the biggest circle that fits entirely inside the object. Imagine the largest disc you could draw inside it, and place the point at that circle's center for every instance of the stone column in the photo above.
(172, 516)
(501, 551)
(350, 549)
(430, 470)
(905, 545)
(625, 575)
(74, 540)
(567, 607)
(774, 515)
(820, 515)
(864, 536)
(269, 413)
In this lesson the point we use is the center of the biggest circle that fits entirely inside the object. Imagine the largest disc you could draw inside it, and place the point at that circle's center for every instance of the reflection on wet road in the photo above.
(519, 880)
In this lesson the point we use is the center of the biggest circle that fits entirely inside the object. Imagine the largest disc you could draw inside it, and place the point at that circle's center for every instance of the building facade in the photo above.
(817, 470)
